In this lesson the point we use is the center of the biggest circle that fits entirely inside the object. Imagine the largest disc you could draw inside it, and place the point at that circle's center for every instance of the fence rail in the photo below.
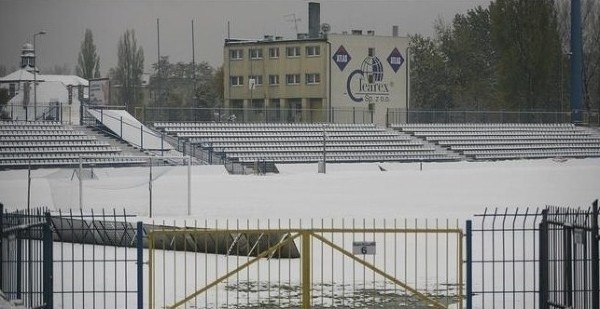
(569, 261)
(502, 264)
(349, 264)
(68, 260)
(357, 115)
(513, 258)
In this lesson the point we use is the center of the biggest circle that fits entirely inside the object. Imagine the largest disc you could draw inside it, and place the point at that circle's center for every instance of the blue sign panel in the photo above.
(395, 60)
(341, 58)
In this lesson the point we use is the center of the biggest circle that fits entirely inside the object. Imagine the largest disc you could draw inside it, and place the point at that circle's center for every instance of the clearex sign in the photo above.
(366, 83)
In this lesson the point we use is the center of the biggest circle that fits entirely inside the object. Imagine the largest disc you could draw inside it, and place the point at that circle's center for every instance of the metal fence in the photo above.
(521, 258)
(26, 259)
(464, 116)
(569, 261)
(70, 260)
(192, 114)
(356, 115)
(502, 259)
(533, 258)
(347, 264)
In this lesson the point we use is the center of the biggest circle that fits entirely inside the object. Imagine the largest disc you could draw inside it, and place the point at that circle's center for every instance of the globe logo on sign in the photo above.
(372, 69)
(366, 84)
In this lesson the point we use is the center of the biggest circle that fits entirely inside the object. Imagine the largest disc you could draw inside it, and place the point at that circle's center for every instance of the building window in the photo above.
(273, 80)
(292, 79)
(292, 51)
(236, 54)
(313, 78)
(237, 80)
(12, 90)
(274, 52)
(313, 51)
(256, 53)
(258, 80)
(371, 52)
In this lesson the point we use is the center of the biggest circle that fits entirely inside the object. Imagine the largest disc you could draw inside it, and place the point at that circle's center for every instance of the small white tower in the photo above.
(28, 57)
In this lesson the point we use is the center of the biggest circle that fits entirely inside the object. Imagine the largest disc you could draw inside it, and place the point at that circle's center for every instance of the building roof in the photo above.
(230, 42)
(18, 76)
(72, 80)
(23, 75)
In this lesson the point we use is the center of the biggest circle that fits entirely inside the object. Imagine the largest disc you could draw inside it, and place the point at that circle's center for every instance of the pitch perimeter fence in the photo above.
(357, 115)
(503, 258)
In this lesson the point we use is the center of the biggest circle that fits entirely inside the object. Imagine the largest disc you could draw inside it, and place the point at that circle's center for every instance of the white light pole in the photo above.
(35, 75)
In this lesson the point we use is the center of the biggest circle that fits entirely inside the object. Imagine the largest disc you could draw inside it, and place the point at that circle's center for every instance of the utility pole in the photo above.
(194, 98)
(35, 75)
(159, 94)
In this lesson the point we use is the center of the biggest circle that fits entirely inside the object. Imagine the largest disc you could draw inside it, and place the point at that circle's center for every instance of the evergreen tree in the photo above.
(129, 70)
(473, 61)
(429, 78)
(526, 38)
(88, 61)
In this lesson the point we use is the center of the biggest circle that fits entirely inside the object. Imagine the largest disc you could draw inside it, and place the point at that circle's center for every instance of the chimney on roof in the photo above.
(314, 19)
(395, 30)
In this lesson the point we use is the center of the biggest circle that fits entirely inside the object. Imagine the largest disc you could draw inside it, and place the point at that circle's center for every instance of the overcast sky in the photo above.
(65, 22)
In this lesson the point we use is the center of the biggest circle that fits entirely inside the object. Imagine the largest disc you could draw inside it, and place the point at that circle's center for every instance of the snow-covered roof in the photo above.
(19, 76)
(67, 80)
(24, 75)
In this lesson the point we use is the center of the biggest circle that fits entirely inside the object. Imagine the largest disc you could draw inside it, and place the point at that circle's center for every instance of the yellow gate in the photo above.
(304, 267)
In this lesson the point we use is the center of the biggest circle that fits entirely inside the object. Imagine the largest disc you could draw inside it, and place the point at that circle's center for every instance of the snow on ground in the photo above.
(456, 190)
(440, 190)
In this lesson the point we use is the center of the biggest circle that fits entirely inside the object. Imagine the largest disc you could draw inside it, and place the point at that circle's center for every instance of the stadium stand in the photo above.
(509, 141)
(303, 143)
(52, 144)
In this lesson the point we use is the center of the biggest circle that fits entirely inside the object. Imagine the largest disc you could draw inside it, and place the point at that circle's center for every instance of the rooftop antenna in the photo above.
(291, 18)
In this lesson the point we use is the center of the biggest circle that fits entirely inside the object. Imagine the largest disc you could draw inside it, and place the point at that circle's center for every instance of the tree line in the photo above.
(174, 85)
(511, 55)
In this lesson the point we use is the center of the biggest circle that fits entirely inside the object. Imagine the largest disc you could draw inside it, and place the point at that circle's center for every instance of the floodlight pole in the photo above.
(35, 75)
(150, 189)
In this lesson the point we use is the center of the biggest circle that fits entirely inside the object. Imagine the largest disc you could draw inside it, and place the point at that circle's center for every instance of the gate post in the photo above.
(469, 262)
(543, 263)
(1, 237)
(48, 269)
(19, 264)
(306, 283)
(568, 265)
(595, 258)
(140, 264)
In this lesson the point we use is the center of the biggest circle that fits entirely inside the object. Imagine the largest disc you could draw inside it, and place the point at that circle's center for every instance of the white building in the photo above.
(56, 97)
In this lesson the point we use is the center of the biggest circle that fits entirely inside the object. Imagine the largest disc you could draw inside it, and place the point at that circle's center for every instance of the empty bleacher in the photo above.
(509, 141)
(52, 144)
(303, 143)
